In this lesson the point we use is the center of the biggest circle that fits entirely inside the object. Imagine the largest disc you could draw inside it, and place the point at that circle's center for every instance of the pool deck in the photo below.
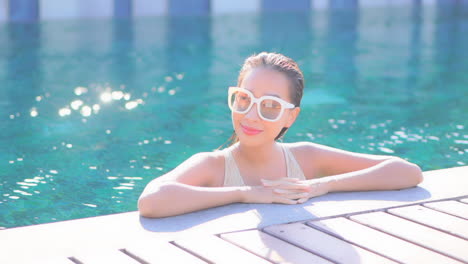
(426, 224)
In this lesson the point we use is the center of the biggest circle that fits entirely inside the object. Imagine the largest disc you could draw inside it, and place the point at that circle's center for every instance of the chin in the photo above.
(252, 141)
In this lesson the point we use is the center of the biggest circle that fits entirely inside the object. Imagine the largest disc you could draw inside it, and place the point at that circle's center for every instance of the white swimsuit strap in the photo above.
(293, 167)
(232, 176)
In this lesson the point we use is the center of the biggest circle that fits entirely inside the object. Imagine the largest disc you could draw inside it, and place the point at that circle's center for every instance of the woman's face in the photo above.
(249, 127)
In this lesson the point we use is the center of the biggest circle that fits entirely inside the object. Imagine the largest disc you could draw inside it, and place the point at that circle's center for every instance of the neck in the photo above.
(258, 154)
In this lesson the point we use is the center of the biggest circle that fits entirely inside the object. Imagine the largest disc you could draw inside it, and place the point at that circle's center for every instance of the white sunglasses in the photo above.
(270, 108)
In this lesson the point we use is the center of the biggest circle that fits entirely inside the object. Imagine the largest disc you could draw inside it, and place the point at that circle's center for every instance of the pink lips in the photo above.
(250, 131)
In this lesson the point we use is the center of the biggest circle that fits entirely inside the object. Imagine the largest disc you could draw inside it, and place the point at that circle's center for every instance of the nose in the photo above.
(252, 113)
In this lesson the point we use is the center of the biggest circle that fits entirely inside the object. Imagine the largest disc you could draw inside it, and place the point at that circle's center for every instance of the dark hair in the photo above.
(279, 63)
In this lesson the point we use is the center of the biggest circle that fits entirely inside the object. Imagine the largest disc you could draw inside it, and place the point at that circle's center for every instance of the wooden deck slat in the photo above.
(416, 233)
(442, 221)
(57, 242)
(324, 244)
(272, 248)
(217, 250)
(105, 256)
(377, 241)
(450, 207)
(163, 252)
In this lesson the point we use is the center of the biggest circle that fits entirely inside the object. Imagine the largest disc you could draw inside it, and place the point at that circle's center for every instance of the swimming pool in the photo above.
(90, 111)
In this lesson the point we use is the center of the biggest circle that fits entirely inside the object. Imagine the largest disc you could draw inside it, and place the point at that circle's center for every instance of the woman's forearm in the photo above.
(171, 198)
(391, 174)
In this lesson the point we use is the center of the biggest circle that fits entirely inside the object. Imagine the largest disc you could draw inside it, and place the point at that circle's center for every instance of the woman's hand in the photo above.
(271, 194)
(289, 187)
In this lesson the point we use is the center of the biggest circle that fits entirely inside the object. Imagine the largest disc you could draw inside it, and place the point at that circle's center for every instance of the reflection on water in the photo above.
(90, 111)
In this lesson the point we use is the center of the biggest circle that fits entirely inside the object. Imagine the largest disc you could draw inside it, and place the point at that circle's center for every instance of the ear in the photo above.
(292, 116)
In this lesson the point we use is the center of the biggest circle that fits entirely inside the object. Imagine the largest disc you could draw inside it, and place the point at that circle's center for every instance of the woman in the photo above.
(256, 168)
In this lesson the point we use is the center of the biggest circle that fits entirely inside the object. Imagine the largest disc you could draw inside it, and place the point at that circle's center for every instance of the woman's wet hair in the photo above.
(279, 63)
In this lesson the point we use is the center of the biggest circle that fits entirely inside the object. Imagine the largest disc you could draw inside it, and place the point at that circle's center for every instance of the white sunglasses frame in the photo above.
(255, 100)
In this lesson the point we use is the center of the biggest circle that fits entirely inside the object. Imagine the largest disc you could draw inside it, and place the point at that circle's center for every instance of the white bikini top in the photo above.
(232, 176)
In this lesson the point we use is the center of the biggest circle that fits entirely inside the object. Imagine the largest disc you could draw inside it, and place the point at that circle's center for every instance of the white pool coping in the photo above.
(32, 243)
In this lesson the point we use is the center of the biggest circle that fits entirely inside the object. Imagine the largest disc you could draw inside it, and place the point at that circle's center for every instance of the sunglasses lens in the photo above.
(240, 101)
(270, 109)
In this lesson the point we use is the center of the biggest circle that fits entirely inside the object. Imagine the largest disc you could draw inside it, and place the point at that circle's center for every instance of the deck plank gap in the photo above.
(133, 256)
(190, 252)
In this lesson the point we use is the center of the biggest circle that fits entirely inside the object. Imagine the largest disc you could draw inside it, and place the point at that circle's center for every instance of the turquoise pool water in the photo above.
(90, 111)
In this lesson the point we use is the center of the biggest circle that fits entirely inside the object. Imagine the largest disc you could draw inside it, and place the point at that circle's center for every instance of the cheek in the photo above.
(234, 116)
(274, 128)
(235, 119)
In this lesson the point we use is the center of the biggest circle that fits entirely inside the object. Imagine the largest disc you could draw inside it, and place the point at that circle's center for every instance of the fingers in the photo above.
(287, 183)
(295, 198)
(286, 201)
(287, 191)
(283, 191)
(294, 191)
(279, 182)
(292, 195)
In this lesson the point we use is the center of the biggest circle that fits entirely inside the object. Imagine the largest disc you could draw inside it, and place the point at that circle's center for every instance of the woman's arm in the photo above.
(173, 198)
(347, 171)
(195, 185)
(186, 188)
(350, 171)
(390, 174)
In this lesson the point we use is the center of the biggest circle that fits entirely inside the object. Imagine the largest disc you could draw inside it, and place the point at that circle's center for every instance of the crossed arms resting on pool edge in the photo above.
(196, 184)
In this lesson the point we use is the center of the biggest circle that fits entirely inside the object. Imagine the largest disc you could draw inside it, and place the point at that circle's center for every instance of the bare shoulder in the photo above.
(305, 154)
(201, 169)
(321, 151)
(206, 159)
(306, 149)
(324, 160)
(212, 161)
